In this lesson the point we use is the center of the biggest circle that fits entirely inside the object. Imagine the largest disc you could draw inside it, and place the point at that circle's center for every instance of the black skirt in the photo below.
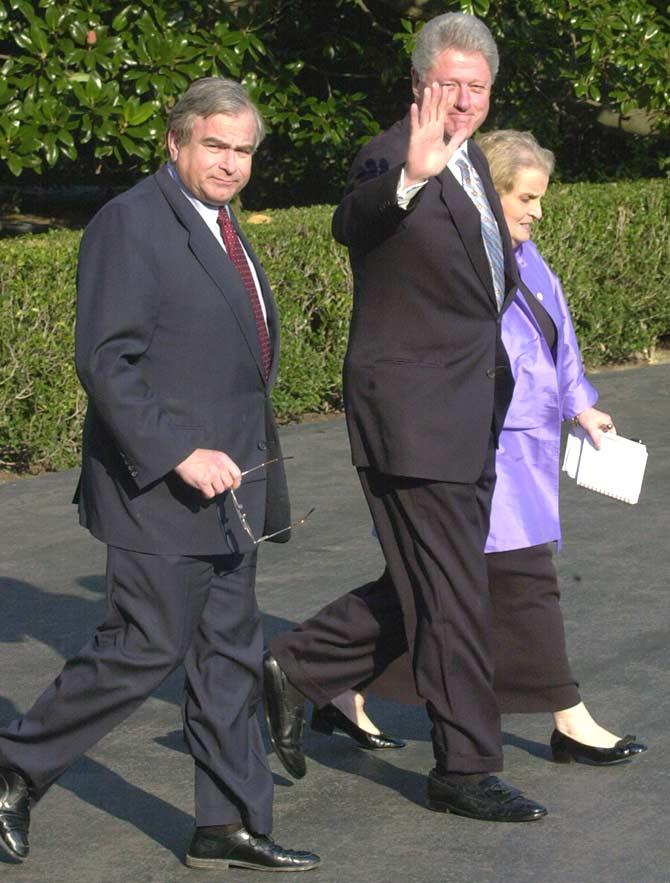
(532, 672)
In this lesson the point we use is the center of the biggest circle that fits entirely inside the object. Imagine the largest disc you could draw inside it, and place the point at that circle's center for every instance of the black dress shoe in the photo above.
(14, 813)
(285, 716)
(244, 850)
(326, 719)
(490, 800)
(565, 750)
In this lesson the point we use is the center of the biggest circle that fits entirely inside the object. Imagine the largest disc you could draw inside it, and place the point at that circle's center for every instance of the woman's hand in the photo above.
(595, 423)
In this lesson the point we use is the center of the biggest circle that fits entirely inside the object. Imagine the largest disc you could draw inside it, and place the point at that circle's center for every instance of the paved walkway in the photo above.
(123, 813)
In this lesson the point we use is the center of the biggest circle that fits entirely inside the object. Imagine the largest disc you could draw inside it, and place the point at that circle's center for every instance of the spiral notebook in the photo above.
(616, 470)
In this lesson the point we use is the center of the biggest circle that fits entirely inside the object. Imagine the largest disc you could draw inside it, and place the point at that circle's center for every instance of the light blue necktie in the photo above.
(490, 232)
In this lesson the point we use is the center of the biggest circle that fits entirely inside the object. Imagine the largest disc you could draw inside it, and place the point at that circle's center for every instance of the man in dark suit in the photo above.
(426, 384)
(177, 347)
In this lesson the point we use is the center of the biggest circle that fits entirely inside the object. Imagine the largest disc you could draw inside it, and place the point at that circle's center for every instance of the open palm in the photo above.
(428, 153)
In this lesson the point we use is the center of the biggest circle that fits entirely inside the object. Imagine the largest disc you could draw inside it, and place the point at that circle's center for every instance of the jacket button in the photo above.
(262, 445)
(491, 373)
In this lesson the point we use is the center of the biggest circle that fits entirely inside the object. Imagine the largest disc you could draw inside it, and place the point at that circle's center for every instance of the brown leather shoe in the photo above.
(14, 813)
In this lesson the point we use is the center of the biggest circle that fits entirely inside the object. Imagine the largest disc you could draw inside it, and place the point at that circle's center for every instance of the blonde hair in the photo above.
(508, 151)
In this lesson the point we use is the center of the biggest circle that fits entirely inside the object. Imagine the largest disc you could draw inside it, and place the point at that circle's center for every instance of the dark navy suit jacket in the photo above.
(426, 376)
(167, 350)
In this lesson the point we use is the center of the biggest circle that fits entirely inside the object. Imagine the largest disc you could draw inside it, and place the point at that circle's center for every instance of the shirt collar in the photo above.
(460, 154)
(202, 207)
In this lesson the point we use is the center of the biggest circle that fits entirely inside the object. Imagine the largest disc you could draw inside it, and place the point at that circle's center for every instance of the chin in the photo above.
(220, 197)
(450, 131)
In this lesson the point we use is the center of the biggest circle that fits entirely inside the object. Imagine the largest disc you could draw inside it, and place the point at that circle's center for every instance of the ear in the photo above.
(417, 87)
(173, 150)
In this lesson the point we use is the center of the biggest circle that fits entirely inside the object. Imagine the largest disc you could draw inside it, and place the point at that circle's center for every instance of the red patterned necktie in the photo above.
(239, 260)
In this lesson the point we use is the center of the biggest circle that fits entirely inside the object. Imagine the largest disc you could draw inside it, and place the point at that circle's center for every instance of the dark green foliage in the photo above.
(85, 84)
(85, 87)
(607, 242)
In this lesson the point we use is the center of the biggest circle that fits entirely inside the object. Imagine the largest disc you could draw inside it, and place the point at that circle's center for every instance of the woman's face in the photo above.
(522, 204)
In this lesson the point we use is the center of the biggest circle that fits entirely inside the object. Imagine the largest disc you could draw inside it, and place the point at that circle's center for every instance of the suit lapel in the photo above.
(214, 261)
(468, 224)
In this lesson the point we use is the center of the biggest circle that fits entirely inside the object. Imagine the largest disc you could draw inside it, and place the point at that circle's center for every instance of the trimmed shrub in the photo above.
(607, 242)
(610, 247)
(41, 402)
(310, 276)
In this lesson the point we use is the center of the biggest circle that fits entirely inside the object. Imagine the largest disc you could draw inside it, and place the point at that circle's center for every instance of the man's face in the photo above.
(216, 163)
(467, 79)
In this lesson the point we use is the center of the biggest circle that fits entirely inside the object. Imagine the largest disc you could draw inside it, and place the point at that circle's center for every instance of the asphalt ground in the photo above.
(123, 813)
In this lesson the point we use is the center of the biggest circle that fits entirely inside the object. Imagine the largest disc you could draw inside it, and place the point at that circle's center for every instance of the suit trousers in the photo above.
(163, 611)
(434, 600)
(532, 671)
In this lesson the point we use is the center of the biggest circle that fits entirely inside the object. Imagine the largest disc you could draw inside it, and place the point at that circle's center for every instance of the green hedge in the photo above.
(610, 246)
(608, 243)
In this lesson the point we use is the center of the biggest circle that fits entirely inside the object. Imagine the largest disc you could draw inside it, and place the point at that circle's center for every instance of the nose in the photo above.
(536, 210)
(228, 159)
(462, 98)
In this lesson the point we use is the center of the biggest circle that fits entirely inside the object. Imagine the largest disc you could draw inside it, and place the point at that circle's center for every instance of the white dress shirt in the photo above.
(406, 194)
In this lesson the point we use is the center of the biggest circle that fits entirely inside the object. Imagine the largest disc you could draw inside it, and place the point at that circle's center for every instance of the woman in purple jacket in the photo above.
(532, 672)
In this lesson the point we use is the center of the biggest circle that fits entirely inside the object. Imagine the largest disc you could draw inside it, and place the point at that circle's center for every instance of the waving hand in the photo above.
(428, 153)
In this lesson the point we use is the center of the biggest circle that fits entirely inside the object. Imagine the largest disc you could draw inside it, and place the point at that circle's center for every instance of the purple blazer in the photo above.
(525, 502)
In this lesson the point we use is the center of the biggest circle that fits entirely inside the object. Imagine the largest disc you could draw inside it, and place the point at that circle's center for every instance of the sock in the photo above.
(463, 778)
(219, 830)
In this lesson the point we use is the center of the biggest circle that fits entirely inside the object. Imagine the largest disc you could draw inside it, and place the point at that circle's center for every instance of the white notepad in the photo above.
(617, 469)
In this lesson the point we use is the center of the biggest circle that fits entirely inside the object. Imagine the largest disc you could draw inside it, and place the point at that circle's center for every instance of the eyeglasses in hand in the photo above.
(242, 515)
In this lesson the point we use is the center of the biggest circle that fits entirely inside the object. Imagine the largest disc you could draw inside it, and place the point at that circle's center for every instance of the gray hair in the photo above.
(209, 96)
(509, 151)
(453, 30)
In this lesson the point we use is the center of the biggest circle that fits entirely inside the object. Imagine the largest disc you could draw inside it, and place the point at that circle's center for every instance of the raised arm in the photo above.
(370, 212)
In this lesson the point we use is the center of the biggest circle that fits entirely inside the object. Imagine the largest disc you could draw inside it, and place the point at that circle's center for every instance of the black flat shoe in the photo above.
(244, 850)
(490, 800)
(326, 719)
(565, 750)
(14, 814)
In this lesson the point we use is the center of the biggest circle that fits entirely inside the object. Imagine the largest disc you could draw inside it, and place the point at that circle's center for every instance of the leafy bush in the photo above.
(41, 402)
(311, 280)
(607, 242)
(609, 245)
(85, 86)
